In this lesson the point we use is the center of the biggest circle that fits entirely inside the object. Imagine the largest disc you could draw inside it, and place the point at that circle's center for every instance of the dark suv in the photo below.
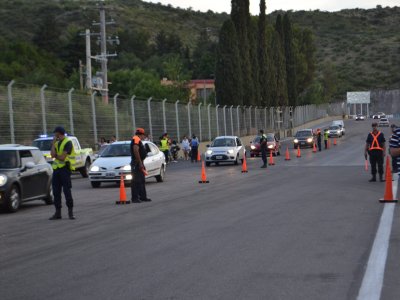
(304, 138)
(24, 176)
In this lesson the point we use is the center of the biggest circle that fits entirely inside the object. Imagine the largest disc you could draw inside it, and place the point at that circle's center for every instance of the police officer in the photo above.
(64, 160)
(164, 147)
(326, 138)
(263, 148)
(375, 147)
(319, 137)
(138, 155)
(393, 141)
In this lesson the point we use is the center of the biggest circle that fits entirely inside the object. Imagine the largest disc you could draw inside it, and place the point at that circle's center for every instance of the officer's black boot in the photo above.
(71, 214)
(373, 179)
(381, 178)
(57, 215)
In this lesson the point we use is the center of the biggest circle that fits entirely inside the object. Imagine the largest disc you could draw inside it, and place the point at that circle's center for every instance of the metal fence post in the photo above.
(189, 119)
(244, 120)
(149, 111)
(265, 118)
(231, 111)
(164, 117)
(200, 129)
(224, 108)
(177, 120)
(209, 121)
(249, 132)
(71, 115)
(116, 116)
(238, 119)
(94, 117)
(42, 100)
(11, 110)
(133, 112)
(216, 111)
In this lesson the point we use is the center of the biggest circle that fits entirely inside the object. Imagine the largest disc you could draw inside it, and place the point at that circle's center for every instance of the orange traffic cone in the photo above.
(287, 156)
(122, 192)
(244, 164)
(366, 165)
(388, 197)
(203, 174)
(314, 149)
(334, 142)
(271, 159)
(198, 156)
(298, 151)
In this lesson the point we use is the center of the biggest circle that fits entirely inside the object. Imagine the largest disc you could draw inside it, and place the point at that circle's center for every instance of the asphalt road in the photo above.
(301, 229)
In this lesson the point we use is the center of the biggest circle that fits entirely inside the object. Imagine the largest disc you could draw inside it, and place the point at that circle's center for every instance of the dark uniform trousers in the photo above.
(62, 181)
(138, 188)
(264, 155)
(376, 158)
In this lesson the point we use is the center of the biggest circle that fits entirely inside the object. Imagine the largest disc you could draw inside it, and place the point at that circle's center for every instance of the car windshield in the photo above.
(270, 138)
(102, 148)
(384, 120)
(334, 128)
(303, 133)
(116, 150)
(256, 140)
(43, 145)
(8, 159)
(225, 142)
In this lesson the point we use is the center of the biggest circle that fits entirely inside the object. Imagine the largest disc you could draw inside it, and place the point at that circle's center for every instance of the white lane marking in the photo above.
(372, 283)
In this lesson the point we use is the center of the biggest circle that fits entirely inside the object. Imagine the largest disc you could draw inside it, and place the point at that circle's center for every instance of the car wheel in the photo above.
(14, 200)
(95, 184)
(236, 161)
(208, 164)
(161, 177)
(50, 197)
(85, 170)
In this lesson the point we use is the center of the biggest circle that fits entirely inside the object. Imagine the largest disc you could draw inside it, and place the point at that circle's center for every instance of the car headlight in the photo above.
(3, 180)
(252, 147)
(296, 141)
(270, 146)
(95, 169)
(209, 152)
(230, 151)
(309, 140)
(127, 168)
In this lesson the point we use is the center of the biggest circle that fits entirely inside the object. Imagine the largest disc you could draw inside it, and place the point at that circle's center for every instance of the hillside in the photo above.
(360, 47)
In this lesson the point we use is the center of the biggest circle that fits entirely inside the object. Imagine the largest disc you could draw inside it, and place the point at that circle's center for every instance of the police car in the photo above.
(84, 156)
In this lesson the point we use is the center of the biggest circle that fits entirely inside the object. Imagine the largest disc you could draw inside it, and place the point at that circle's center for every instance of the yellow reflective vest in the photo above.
(164, 145)
(57, 164)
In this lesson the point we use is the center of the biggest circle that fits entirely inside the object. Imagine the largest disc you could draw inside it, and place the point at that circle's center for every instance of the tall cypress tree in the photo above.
(263, 55)
(240, 17)
(255, 71)
(281, 95)
(228, 74)
(290, 57)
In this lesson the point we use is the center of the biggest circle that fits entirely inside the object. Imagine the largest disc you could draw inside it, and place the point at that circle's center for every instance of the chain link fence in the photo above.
(28, 111)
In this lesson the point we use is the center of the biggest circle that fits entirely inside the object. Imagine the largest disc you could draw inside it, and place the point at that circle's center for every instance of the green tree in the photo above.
(255, 71)
(228, 75)
(204, 56)
(262, 54)
(281, 96)
(290, 57)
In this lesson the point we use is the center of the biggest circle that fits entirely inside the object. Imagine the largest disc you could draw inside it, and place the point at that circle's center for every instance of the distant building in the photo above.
(199, 88)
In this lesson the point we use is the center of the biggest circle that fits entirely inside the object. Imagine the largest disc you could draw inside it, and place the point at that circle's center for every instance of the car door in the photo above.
(44, 174)
(29, 178)
(157, 160)
(78, 153)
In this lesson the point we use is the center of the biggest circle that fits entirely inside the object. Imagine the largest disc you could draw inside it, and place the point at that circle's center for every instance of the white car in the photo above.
(383, 122)
(339, 123)
(225, 149)
(379, 115)
(360, 118)
(115, 161)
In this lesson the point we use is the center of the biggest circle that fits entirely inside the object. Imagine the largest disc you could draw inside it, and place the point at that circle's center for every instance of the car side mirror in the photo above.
(29, 165)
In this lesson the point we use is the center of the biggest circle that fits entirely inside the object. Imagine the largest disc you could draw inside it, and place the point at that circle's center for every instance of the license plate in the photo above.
(219, 157)
(302, 143)
(110, 174)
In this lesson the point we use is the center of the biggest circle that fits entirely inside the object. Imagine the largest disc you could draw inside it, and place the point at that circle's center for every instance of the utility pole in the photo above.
(88, 61)
(103, 49)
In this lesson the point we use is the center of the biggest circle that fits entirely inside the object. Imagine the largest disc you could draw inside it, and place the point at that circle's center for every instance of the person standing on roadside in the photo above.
(319, 138)
(64, 161)
(263, 148)
(394, 146)
(164, 146)
(138, 155)
(194, 143)
(375, 148)
(186, 147)
(326, 138)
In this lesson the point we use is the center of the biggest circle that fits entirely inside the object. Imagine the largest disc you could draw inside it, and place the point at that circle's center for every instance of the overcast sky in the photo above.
(329, 5)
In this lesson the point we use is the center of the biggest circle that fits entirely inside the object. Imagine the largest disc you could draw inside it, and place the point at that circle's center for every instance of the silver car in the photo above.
(115, 161)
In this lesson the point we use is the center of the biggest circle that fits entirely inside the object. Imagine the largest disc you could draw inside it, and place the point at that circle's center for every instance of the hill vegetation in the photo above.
(40, 43)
